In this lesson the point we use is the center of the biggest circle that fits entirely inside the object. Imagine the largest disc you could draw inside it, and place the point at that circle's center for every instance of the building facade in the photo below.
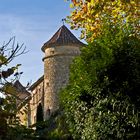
(59, 53)
(22, 102)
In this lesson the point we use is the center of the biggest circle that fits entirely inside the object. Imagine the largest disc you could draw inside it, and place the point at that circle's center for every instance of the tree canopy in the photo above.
(93, 15)
(102, 98)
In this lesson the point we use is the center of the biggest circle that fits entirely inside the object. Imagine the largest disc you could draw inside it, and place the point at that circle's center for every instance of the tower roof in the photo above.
(62, 37)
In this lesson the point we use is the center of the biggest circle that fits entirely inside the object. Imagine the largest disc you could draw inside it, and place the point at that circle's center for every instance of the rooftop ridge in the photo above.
(36, 82)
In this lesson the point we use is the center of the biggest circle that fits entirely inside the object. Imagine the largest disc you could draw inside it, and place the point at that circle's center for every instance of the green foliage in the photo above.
(19, 132)
(54, 128)
(10, 127)
(102, 99)
(91, 15)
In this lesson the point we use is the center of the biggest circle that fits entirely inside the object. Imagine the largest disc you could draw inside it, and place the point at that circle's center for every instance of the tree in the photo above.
(10, 127)
(102, 99)
(92, 16)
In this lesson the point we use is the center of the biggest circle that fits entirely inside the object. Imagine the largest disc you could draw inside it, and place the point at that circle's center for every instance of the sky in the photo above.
(32, 22)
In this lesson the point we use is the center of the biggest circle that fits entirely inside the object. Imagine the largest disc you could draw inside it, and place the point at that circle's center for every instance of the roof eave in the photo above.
(56, 44)
(36, 83)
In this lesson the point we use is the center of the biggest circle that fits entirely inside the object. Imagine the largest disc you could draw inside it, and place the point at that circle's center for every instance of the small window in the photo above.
(33, 98)
(52, 52)
(37, 97)
(47, 84)
(34, 119)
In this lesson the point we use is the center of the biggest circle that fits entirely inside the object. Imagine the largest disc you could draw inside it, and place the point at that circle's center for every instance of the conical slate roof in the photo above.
(62, 37)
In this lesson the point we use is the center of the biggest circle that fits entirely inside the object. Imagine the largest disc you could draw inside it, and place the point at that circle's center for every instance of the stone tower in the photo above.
(59, 52)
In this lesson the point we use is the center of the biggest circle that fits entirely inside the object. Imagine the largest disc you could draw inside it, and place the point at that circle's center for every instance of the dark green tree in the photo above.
(102, 100)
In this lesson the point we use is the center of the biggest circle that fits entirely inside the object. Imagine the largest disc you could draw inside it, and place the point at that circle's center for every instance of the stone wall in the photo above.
(57, 62)
(24, 98)
(23, 116)
(37, 97)
(56, 73)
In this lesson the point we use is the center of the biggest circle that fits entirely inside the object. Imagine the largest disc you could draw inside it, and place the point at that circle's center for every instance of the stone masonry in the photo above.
(59, 53)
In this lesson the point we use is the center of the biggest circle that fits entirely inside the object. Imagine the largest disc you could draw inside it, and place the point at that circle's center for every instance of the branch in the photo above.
(12, 52)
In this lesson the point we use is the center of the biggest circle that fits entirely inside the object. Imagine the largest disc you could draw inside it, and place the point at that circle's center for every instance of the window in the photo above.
(47, 84)
(37, 97)
(51, 52)
(33, 98)
(34, 119)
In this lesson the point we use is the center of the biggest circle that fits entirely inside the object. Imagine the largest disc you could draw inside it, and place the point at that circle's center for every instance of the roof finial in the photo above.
(63, 20)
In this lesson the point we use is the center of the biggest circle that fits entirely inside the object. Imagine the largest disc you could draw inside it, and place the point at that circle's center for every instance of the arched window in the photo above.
(39, 114)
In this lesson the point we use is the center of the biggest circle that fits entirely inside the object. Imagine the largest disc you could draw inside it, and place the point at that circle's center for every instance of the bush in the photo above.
(102, 99)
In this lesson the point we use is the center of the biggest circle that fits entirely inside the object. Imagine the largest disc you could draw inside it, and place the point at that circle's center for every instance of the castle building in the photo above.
(59, 53)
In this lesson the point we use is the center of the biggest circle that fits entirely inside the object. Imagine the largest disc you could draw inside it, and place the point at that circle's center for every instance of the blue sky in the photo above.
(33, 22)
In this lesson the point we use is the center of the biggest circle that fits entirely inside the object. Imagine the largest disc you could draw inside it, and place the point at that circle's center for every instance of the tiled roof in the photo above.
(62, 37)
